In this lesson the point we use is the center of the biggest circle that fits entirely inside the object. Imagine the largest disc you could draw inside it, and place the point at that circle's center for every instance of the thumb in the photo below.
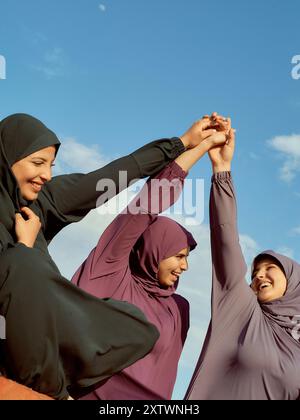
(231, 138)
(29, 213)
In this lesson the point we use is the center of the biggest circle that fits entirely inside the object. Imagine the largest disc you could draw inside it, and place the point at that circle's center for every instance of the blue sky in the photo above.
(117, 74)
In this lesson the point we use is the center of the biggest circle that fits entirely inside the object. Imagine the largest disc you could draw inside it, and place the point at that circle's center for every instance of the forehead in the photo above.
(184, 251)
(264, 262)
(47, 153)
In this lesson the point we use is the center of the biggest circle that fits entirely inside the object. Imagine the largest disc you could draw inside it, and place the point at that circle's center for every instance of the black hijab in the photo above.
(20, 136)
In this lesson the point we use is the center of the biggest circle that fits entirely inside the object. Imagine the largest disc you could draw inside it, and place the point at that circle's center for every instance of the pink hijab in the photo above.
(134, 281)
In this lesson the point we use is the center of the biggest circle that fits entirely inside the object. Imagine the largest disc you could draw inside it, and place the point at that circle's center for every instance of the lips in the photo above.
(264, 285)
(36, 186)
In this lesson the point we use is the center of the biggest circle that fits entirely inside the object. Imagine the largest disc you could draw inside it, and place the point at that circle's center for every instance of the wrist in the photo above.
(207, 144)
(221, 168)
(185, 140)
(26, 244)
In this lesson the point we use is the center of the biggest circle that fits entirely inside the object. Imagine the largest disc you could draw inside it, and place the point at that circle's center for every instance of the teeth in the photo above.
(264, 285)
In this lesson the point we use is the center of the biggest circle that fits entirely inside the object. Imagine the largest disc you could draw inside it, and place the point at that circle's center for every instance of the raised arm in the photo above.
(111, 255)
(159, 193)
(68, 198)
(228, 264)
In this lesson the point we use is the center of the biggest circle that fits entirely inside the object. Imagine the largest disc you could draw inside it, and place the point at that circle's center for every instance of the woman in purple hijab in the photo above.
(139, 259)
(252, 347)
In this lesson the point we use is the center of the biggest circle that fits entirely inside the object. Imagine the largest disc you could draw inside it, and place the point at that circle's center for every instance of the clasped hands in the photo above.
(216, 133)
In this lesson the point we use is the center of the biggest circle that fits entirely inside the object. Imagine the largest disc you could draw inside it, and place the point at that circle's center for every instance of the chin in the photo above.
(30, 196)
(267, 299)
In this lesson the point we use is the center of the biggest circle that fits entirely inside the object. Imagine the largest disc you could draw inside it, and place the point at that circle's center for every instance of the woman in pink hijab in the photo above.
(139, 259)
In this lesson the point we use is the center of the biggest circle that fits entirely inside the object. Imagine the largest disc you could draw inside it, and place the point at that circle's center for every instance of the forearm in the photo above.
(222, 206)
(187, 159)
(154, 156)
(160, 192)
(119, 238)
(76, 194)
(228, 260)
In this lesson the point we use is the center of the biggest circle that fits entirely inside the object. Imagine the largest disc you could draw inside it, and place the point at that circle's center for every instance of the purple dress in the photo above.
(124, 266)
(252, 350)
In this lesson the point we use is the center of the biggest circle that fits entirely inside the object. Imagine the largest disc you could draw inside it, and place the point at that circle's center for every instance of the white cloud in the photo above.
(77, 157)
(54, 63)
(289, 147)
(72, 246)
(250, 249)
(296, 230)
(102, 7)
(284, 250)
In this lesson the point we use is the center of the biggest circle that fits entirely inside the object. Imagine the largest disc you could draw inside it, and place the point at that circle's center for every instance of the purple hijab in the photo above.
(163, 239)
(124, 266)
(285, 311)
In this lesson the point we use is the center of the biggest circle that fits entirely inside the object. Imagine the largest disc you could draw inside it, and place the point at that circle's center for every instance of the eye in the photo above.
(42, 163)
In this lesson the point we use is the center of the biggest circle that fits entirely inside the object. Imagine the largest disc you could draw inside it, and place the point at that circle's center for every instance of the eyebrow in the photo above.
(43, 159)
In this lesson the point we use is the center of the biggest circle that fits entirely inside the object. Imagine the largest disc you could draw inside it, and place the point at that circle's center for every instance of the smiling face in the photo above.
(170, 268)
(268, 280)
(33, 171)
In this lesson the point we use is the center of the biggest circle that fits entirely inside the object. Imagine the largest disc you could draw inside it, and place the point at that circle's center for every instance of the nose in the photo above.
(260, 275)
(184, 265)
(46, 175)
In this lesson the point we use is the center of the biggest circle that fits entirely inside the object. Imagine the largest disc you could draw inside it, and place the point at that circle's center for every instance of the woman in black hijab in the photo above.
(54, 342)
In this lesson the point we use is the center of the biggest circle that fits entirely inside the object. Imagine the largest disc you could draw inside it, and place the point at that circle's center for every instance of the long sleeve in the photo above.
(228, 264)
(68, 198)
(114, 247)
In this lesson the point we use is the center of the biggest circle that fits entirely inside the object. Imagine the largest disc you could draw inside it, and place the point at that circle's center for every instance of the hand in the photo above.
(199, 131)
(187, 159)
(27, 230)
(219, 122)
(221, 156)
(217, 139)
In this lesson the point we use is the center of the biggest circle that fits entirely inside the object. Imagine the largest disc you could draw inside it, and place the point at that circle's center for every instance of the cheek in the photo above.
(27, 175)
(173, 264)
(283, 285)
(280, 281)
(166, 266)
